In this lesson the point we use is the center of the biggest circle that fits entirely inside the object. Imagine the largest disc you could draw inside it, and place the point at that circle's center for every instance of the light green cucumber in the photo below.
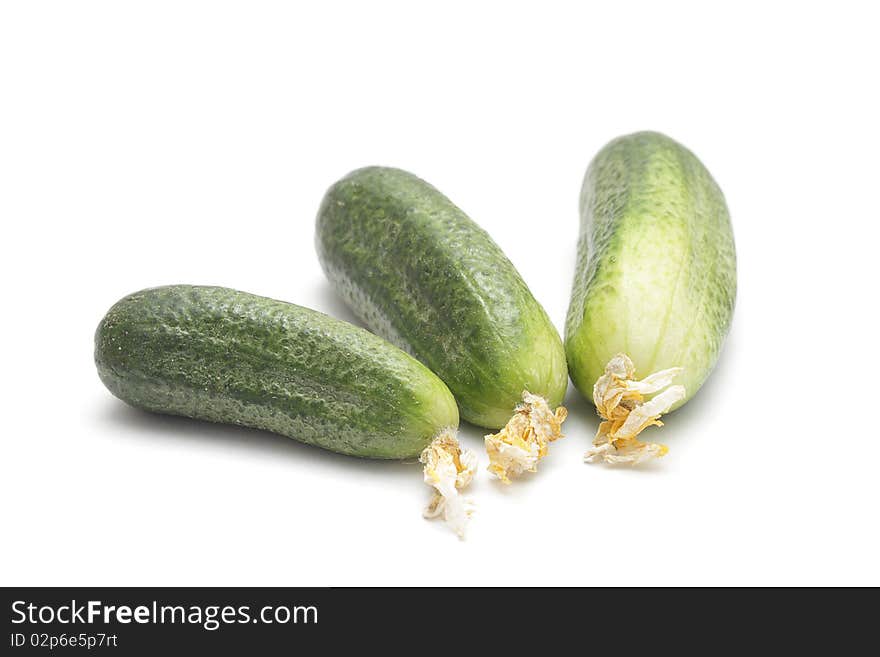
(422, 274)
(656, 267)
(226, 356)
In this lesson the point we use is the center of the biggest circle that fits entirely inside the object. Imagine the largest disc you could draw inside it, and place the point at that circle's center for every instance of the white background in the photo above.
(168, 142)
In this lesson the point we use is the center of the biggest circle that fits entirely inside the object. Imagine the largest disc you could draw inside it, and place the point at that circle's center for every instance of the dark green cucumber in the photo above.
(656, 270)
(226, 356)
(422, 274)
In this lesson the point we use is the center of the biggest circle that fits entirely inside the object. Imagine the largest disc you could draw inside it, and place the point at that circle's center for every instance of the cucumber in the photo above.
(417, 271)
(221, 355)
(654, 286)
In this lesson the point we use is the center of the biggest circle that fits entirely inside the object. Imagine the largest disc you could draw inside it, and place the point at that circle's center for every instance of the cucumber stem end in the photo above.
(449, 468)
(620, 402)
(523, 441)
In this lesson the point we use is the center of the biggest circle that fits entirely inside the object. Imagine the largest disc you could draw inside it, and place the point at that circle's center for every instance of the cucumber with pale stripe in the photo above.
(654, 287)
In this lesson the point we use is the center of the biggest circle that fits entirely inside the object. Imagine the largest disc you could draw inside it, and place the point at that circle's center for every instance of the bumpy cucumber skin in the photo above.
(226, 356)
(422, 274)
(656, 266)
